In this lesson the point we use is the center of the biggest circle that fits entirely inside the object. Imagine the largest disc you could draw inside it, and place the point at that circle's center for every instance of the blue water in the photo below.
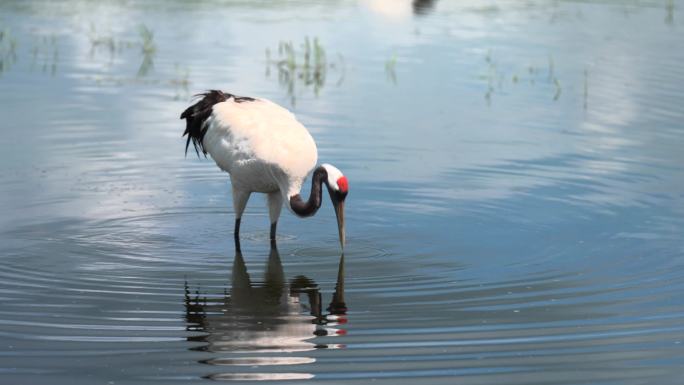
(515, 212)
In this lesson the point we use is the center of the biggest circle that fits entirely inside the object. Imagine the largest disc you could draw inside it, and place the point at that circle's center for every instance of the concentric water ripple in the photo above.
(283, 325)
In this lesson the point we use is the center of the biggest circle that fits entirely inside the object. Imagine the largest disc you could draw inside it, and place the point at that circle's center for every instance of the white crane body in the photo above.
(265, 149)
(261, 145)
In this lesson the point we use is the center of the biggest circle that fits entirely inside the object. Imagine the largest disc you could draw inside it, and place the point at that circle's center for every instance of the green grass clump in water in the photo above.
(390, 69)
(148, 49)
(181, 82)
(307, 65)
(114, 46)
(496, 78)
(8, 50)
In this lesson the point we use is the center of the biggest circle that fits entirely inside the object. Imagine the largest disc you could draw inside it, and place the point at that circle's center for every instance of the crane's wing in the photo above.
(238, 131)
(197, 114)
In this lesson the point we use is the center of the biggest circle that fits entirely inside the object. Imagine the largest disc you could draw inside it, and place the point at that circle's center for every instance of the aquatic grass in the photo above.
(147, 40)
(497, 79)
(116, 46)
(390, 69)
(669, 9)
(586, 88)
(148, 49)
(559, 89)
(142, 45)
(307, 65)
(45, 54)
(8, 50)
(181, 82)
(105, 42)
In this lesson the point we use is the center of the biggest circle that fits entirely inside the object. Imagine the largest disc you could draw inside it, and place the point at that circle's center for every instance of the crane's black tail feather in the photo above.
(197, 114)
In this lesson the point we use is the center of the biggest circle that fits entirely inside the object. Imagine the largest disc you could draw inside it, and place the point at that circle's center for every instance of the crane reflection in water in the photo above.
(265, 324)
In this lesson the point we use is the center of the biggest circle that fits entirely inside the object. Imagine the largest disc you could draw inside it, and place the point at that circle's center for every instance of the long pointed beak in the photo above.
(339, 212)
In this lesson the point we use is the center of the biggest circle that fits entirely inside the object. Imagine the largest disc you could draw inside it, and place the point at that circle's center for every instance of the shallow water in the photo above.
(515, 216)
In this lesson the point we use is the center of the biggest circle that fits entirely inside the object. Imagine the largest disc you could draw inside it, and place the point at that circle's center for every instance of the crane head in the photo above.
(338, 188)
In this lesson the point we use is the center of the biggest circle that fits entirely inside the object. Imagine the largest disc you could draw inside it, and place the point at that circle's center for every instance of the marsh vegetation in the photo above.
(303, 65)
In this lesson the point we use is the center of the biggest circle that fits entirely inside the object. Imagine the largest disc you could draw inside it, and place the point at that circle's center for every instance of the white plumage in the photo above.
(261, 145)
(265, 149)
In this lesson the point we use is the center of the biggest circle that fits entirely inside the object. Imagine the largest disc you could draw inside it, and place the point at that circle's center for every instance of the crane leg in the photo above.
(275, 204)
(273, 231)
(240, 198)
(236, 232)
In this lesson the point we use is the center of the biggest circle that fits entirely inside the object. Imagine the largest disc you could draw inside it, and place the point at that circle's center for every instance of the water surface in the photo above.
(515, 216)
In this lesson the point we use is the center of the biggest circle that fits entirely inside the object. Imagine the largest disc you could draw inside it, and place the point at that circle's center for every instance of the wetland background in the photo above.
(515, 214)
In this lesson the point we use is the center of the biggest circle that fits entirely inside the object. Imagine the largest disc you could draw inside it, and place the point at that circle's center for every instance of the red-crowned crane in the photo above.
(265, 149)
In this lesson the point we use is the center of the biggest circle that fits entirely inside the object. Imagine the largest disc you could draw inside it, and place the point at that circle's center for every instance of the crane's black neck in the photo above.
(309, 208)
